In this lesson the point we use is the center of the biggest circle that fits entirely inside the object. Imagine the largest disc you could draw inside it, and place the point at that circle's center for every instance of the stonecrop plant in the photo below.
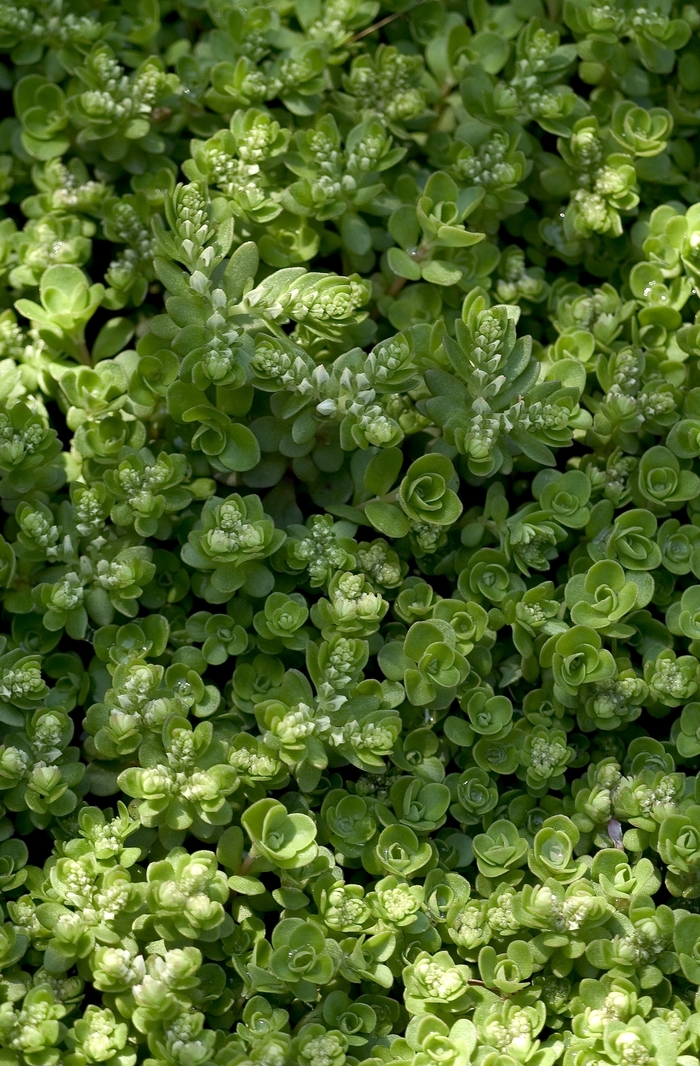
(350, 544)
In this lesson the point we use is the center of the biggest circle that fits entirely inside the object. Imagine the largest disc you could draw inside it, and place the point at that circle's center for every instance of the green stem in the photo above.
(83, 353)
(389, 497)
(310, 1016)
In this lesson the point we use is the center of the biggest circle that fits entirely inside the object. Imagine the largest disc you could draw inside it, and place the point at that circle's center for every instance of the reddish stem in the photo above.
(384, 22)
(246, 865)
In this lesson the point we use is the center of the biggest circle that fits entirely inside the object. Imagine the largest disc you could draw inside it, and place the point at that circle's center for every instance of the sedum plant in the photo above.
(350, 542)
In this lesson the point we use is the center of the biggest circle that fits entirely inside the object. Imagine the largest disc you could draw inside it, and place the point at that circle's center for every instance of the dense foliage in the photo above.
(350, 568)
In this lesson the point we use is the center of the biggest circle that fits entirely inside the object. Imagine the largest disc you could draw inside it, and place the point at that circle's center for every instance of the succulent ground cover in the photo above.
(350, 553)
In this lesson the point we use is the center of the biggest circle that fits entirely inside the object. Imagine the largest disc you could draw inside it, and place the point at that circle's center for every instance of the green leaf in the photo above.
(242, 451)
(229, 850)
(241, 270)
(388, 519)
(400, 263)
(403, 226)
(174, 279)
(382, 471)
(247, 886)
(533, 448)
(439, 272)
(114, 335)
(356, 234)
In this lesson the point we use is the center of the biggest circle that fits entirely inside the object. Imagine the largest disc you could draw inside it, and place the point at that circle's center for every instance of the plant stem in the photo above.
(388, 497)
(83, 353)
(396, 286)
(246, 865)
(384, 21)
